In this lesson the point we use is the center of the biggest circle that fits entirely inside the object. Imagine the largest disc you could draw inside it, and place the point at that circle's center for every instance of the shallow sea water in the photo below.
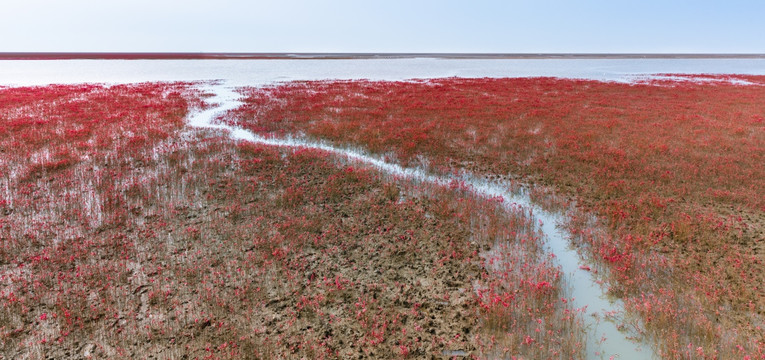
(260, 72)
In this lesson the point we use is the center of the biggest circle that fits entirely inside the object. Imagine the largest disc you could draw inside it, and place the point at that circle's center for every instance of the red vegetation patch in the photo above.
(125, 235)
(675, 169)
(47, 129)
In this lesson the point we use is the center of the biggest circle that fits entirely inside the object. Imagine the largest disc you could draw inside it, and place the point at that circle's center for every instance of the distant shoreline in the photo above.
(345, 56)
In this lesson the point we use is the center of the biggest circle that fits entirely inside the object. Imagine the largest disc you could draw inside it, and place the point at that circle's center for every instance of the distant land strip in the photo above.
(274, 56)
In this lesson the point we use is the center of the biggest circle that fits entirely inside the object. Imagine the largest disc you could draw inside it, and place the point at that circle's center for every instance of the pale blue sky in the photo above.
(733, 26)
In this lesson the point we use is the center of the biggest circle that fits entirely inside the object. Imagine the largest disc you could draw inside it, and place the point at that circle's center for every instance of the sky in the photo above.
(477, 26)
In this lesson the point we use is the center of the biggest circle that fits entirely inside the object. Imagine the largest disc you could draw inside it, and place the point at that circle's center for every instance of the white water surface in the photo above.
(261, 72)
(604, 339)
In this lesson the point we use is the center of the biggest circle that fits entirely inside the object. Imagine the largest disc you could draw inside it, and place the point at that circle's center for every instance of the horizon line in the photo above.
(356, 55)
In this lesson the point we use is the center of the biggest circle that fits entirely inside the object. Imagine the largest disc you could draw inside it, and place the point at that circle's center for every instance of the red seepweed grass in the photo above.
(125, 234)
(672, 166)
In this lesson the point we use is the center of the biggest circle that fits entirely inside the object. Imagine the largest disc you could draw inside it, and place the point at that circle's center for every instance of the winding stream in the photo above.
(605, 340)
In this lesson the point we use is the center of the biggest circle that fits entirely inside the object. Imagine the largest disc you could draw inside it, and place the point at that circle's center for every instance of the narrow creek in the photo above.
(604, 339)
